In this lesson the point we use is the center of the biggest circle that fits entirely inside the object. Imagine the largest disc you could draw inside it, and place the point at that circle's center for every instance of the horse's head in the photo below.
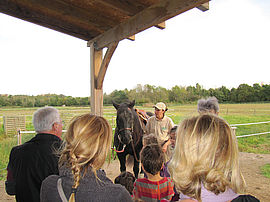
(125, 121)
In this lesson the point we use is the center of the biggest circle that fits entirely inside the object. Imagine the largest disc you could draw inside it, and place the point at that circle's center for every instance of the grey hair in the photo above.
(207, 105)
(44, 118)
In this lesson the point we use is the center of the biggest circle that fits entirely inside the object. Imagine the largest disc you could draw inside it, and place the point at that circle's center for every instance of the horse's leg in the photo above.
(136, 168)
(122, 159)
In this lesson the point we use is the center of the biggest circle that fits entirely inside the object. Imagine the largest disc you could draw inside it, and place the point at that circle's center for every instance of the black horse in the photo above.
(128, 135)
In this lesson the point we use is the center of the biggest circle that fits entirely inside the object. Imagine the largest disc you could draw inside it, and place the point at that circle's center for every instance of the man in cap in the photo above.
(160, 124)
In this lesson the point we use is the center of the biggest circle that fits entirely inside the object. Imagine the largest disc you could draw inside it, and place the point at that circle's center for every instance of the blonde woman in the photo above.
(205, 165)
(87, 142)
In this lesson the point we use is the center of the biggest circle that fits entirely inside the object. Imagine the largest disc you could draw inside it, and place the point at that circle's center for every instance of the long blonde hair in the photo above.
(87, 143)
(206, 153)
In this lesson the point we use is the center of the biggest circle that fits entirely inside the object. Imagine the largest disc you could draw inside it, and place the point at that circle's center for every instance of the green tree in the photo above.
(119, 96)
(244, 92)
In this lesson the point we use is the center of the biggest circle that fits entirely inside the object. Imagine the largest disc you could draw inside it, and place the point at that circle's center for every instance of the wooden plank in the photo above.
(130, 7)
(153, 15)
(204, 7)
(58, 16)
(105, 63)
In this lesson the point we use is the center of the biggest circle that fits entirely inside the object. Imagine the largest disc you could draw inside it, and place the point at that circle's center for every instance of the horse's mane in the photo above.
(138, 131)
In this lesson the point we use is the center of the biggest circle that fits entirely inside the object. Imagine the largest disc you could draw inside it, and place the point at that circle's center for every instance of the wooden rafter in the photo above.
(152, 15)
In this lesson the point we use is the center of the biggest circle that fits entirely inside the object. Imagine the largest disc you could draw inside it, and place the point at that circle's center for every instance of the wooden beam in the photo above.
(105, 63)
(130, 7)
(53, 14)
(161, 25)
(153, 15)
(96, 94)
(204, 7)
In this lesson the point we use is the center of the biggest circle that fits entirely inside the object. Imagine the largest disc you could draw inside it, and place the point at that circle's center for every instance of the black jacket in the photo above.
(29, 164)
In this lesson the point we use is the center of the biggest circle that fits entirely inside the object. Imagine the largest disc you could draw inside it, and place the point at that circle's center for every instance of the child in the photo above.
(126, 179)
(154, 187)
(150, 139)
(173, 136)
(164, 172)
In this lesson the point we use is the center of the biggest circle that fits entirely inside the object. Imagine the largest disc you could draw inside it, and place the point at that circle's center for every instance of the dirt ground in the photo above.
(258, 185)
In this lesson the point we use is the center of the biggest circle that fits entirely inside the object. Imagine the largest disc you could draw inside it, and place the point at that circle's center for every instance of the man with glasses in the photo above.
(160, 124)
(30, 163)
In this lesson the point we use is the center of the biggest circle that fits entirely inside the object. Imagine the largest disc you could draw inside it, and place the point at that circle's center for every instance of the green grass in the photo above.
(233, 113)
(266, 170)
(6, 146)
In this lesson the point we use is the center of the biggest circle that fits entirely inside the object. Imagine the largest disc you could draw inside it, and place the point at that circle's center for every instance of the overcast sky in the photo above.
(227, 45)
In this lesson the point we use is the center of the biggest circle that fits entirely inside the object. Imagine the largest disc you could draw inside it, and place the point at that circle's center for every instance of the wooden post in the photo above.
(99, 67)
(96, 94)
(19, 137)
(234, 130)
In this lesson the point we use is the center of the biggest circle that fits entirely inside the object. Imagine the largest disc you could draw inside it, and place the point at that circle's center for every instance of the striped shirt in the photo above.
(153, 191)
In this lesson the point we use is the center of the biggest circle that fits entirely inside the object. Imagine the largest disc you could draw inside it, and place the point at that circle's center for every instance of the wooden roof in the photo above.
(98, 21)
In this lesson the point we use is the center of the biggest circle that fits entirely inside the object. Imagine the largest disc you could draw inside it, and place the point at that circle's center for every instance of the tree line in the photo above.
(148, 94)
(178, 94)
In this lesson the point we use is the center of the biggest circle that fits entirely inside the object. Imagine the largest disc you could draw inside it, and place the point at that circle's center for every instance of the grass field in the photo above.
(233, 113)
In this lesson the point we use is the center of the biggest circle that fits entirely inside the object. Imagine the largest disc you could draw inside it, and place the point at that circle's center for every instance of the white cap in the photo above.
(160, 105)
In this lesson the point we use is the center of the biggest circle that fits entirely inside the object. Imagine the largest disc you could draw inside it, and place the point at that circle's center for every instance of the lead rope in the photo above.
(133, 148)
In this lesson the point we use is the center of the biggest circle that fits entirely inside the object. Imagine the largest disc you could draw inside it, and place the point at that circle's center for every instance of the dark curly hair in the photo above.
(152, 158)
(126, 179)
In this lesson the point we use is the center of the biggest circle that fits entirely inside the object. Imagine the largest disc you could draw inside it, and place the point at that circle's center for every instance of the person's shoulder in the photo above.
(144, 180)
(20, 148)
(15, 149)
(50, 180)
(167, 118)
(243, 198)
(168, 179)
(118, 192)
(48, 189)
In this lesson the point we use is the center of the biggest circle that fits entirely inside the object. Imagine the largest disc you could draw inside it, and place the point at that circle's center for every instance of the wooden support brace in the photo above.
(105, 63)
(204, 7)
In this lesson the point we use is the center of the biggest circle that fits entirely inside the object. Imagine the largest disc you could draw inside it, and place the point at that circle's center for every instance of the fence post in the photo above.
(234, 130)
(19, 137)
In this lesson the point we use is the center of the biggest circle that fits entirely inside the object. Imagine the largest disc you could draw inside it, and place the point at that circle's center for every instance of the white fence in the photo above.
(246, 124)
(234, 127)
